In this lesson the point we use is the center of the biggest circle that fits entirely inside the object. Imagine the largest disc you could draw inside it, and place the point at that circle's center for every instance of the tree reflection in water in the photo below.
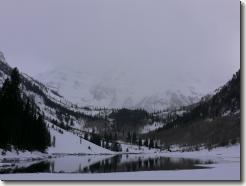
(119, 163)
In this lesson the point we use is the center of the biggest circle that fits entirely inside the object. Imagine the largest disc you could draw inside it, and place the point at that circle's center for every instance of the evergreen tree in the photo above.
(134, 138)
(71, 122)
(54, 141)
(107, 145)
(110, 137)
(20, 124)
(115, 137)
(151, 143)
(146, 143)
(129, 138)
(95, 138)
(140, 142)
(156, 144)
(86, 136)
(116, 147)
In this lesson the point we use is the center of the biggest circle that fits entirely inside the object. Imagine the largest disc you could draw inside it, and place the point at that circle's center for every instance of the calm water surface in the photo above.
(104, 164)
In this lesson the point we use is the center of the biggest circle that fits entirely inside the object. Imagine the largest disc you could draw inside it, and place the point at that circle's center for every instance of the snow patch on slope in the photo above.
(69, 143)
(135, 149)
(151, 127)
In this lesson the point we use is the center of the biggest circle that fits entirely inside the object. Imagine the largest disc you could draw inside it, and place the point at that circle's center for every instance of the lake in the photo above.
(104, 164)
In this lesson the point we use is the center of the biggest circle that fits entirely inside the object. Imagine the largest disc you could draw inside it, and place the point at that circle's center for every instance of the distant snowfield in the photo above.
(121, 88)
(226, 168)
(151, 127)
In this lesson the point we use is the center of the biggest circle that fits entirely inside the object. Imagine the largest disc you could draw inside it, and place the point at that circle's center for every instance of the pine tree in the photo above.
(115, 137)
(129, 138)
(151, 143)
(86, 136)
(19, 124)
(134, 138)
(54, 141)
(140, 142)
(116, 147)
(146, 143)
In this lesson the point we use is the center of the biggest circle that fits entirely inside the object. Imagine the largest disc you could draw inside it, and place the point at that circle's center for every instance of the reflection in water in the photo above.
(105, 164)
(34, 168)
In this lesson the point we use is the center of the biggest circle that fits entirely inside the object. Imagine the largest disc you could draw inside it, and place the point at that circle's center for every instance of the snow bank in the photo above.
(13, 155)
(225, 171)
(227, 168)
(151, 127)
(225, 152)
(66, 143)
(128, 148)
(69, 143)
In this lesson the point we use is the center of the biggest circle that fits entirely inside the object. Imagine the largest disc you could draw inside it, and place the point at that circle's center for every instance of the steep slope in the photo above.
(225, 102)
(49, 101)
(215, 120)
(69, 143)
(58, 113)
(61, 112)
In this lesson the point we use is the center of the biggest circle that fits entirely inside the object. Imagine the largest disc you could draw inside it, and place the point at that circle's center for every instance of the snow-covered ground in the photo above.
(13, 155)
(224, 152)
(151, 127)
(68, 143)
(227, 167)
(65, 143)
(135, 149)
(219, 172)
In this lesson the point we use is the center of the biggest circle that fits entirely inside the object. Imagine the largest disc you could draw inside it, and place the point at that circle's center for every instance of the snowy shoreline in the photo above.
(227, 167)
(14, 156)
(233, 150)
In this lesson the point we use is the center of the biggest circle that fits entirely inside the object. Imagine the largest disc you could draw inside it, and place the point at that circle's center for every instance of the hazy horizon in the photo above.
(156, 40)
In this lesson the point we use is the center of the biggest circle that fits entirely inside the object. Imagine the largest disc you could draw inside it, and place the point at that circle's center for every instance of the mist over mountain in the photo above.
(123, 87)
(120, 90)
(120, 54)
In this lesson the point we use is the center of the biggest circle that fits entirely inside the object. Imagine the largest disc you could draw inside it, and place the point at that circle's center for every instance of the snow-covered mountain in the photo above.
(65, 118)
(214, 120)
(117, 88)
(68, 124)
(58, 111)
(56, 108)
(2, 58)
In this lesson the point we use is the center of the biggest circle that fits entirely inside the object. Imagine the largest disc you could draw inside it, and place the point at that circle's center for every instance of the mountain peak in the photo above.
(120, 88)
(2, 58)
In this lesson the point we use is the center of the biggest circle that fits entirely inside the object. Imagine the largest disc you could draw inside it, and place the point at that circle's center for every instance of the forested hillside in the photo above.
(21, 125)
(212, 121)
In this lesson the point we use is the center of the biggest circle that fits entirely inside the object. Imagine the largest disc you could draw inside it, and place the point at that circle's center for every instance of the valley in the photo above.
(205, 125)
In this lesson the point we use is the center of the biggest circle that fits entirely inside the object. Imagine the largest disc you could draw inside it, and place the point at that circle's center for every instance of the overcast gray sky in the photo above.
(197, 38)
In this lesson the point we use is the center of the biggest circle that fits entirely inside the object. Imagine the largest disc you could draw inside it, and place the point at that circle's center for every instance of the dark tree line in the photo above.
(107, 141)
(133, 139)
(21, 125)
(127, 117)
(206, 122)
(227, 98)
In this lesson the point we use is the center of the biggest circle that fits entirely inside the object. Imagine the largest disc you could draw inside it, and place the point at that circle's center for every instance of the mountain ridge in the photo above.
(215, 120)
(65, 115)
(119, 89)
